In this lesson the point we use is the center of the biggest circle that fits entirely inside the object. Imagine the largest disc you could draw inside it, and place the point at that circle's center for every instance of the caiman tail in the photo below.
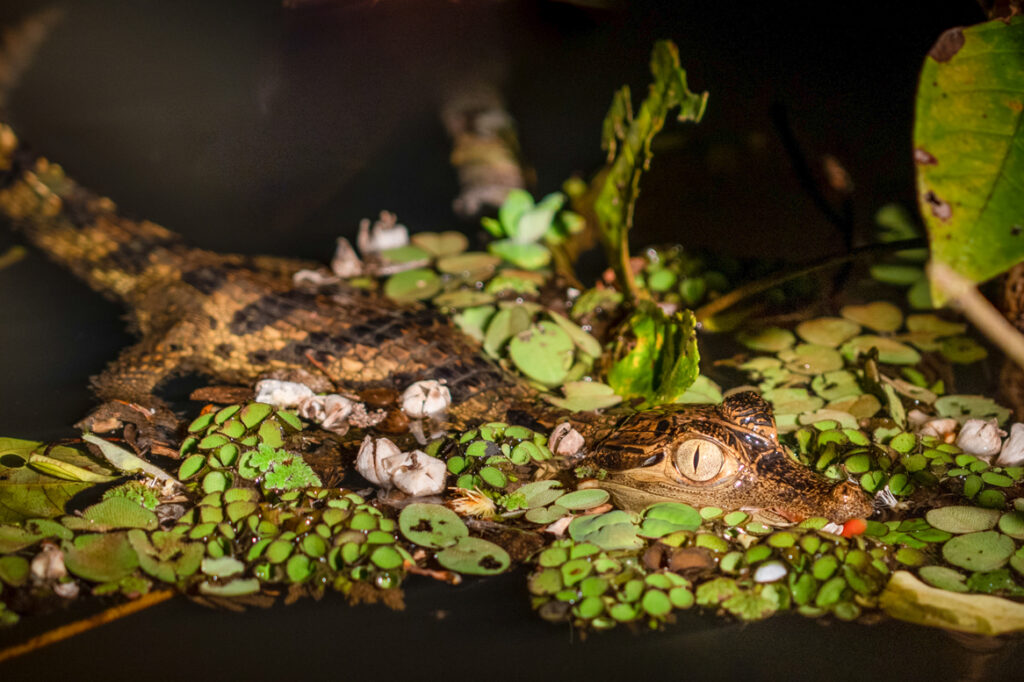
(77, 229)
(71, 225)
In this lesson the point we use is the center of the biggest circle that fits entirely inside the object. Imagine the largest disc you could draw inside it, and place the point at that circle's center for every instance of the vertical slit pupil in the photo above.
(696, 458)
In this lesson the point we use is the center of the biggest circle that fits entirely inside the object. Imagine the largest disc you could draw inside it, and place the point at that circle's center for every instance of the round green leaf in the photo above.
(809, 358)
(983, 551)
(588, 498)
(769, 340)
(827, 331)
(544, 352)
(880, 316)
(441, 244)
(474, 556)
(1012, 523)
(412, 285)
(546, 515)
(473, 265)
(431, 525)
(962, 519)
(944, 578)
(890, 351)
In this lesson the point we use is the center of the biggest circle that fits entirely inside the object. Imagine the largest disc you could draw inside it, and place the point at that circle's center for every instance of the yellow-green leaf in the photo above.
(969, 147)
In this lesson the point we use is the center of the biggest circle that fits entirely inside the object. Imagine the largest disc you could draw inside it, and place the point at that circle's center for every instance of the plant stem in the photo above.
(78, 627)
(726, 301)
(965, 296)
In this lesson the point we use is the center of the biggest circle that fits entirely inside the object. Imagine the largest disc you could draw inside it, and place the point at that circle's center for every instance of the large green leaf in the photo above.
(969, 147)
(26, 493)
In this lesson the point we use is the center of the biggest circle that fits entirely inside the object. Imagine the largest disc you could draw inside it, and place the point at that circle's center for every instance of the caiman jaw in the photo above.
(790, 491)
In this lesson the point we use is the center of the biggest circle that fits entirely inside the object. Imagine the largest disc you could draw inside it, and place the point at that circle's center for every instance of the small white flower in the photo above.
(426, 399)
(980, 437)
(565, 440)
(1012, 453)
(282, 393)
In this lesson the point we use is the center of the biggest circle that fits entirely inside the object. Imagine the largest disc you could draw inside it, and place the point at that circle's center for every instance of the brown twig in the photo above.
(726, 301)
(78, 627)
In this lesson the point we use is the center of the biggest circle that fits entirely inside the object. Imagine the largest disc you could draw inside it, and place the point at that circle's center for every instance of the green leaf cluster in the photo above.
(627, 139)
(522, 224)
(280, 469)
(655, 356)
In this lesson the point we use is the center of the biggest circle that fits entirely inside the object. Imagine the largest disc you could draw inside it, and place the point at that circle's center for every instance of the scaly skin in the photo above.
(236, 318)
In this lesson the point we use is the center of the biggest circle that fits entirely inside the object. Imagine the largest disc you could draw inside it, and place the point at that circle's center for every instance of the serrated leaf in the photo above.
(628, 141)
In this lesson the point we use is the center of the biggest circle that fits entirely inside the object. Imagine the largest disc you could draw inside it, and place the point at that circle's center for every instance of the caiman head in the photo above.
(725, 456)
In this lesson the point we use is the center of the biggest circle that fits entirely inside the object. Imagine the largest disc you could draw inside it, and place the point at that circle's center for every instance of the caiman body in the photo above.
(236, 318)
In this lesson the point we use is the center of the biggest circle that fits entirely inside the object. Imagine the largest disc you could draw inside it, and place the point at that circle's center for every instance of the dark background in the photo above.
(249, 128)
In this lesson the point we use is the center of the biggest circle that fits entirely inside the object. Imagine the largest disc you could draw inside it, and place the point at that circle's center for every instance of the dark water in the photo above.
(250, 129)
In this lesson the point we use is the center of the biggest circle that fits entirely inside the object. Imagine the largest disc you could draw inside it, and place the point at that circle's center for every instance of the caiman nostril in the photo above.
(851, 502)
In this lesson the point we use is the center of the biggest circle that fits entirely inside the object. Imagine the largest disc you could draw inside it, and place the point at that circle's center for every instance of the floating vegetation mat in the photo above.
(246, 516)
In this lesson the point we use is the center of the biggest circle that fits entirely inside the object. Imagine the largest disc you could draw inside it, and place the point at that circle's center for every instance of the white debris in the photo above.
(559, 527)
(981, 437)
(282, 393)
(769, 572)
(345, 262)
(313, 278)
(565, 440)
(414, 473)
(426, 399)
(68, 590)
(942, 429)
(917, 417)
(363, 419)
(377, 460)
(330, 411)
(420, 474)
(834, 528)
(1012, 454)
(386, 233)
(48, 565)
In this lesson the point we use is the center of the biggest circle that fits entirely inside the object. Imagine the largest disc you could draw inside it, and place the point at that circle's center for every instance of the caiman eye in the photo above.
(699, 460)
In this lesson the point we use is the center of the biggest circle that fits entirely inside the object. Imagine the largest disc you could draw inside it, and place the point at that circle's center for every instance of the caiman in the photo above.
(235, 318)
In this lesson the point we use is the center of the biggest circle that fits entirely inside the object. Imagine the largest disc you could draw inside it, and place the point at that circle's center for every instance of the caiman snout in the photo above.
(849, 501)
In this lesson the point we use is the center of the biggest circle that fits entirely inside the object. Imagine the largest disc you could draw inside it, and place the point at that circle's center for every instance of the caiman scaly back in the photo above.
(229, 316)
